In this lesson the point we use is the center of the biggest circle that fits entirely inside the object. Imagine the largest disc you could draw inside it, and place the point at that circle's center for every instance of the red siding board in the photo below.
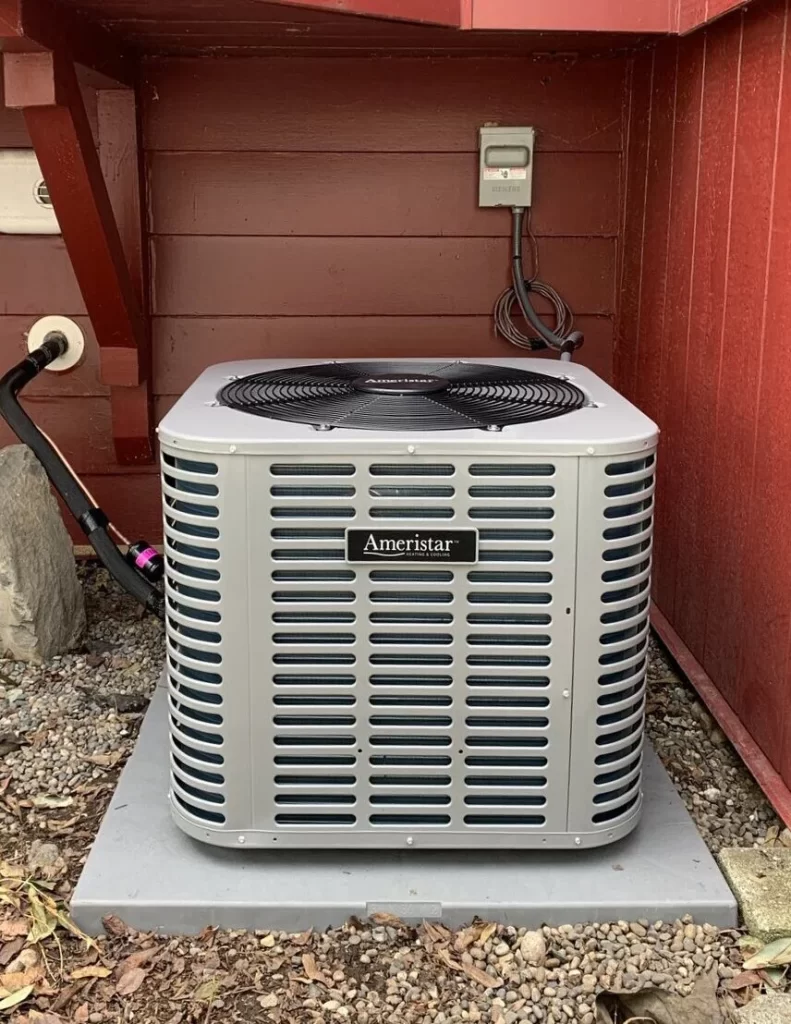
(737, 392)
(413, 194)
(365, 276)
(723, 557)
(672, 510)
(693, 470)
(356, 105)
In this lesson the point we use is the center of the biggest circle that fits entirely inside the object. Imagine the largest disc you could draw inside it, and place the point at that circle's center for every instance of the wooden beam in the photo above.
(430, 12)
(62, 139)
(121, 158)
(27, 25)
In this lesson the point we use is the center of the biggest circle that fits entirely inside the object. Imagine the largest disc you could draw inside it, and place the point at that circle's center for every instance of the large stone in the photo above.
(770, 1009)
(42, 612)
(761, 882)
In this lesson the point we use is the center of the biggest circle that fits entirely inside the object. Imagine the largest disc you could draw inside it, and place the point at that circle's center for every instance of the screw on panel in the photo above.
(577, 841)
(321, 426)
(232, 449)
(591, 451)
(410, 841)
(213, 404)
(493, 426)
(233, 376)
(566, 694)
(411, 449)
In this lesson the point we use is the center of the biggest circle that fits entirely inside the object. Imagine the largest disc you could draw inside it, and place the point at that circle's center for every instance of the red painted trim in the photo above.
(62, 138)
(120, 155)
(576, 15)
(773, 786)
(432, 12)
(34, 24)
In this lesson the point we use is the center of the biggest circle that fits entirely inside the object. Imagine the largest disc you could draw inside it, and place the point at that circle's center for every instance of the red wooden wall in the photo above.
(705, 314)
(324, 207)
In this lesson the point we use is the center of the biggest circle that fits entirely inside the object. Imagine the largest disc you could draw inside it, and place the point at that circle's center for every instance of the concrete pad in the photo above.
(772, 1009)
(153, 876)
(761, 882)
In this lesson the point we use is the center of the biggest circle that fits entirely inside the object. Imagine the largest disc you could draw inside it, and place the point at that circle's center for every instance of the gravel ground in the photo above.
(65, 730)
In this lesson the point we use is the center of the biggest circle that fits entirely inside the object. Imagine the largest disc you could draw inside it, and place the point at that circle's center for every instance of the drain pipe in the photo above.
(92, 520)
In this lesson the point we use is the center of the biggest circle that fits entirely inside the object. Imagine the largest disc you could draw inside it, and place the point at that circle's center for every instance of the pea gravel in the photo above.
(65, 730)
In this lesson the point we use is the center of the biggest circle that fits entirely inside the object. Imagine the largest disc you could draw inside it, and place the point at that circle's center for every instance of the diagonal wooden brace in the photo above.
(45, 86)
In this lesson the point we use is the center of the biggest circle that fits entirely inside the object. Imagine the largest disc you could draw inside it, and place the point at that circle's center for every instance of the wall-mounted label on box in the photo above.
(450, 546)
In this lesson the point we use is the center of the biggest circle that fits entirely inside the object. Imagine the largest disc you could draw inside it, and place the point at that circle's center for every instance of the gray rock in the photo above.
(772, 1009)
(42, 612)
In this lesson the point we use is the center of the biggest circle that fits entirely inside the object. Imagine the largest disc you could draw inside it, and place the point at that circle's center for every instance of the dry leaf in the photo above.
(81, 1014)
(383, 918)
(15, 998)
(130, 981)
(436, 932)
(12, 928)
(114, 926)
(93, 971)
(774, 954)
(481, 976)
(34, 1017)
(744, 980)
(15, 980)
(309, 963)
(447, 959)
(11, 871)
(10, 950)
(105, 760)
(465, 938)
(302, 939)
(137, 959)
(207, 991)
(46, 800)
(44, 921)
(487, 933)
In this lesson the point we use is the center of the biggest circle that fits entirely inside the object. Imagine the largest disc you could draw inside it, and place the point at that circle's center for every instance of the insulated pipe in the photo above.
(91, 519)
(565, 346)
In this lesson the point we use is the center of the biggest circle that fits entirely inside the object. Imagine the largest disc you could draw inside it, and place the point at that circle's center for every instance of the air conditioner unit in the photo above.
(407, 604)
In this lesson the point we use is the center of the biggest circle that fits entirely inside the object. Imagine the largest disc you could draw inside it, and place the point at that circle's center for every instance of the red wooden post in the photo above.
(44, 85)
(120, 155)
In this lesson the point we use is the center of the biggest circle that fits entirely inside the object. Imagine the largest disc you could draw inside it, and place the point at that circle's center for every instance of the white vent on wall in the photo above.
(25, 205)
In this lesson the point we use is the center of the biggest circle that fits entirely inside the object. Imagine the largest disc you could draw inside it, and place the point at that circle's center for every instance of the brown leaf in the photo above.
(447, 959)
(34, 1017)
(15, 980)
(302, 939)
(81, 1014)
(312, 971)
(436, 932)
(136, 959)
(381, 917)
(10, 950)
(92, 971)
(12, 928)
(744, 980)
(130, 981)
(208, 933)
(481, 976)
(465, 938)
(114, 926)
(487, 933)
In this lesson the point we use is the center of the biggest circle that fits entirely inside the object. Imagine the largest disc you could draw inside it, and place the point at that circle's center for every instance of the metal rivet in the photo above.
(590, 451)
(567, 694)
(410, 841)
(232, 449)
(242, 840)
(411, 449)
(577, 841)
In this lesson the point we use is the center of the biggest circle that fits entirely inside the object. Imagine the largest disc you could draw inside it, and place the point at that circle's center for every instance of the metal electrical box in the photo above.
(506, 166)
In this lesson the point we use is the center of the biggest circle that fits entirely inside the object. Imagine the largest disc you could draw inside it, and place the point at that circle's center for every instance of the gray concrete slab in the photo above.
(761, 881)
(154, 877)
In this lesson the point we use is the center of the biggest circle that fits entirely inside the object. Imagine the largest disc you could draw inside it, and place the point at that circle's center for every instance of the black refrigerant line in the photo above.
(129, 570)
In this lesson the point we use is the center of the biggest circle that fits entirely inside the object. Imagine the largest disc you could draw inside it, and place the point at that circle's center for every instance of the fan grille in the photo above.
(403, 396)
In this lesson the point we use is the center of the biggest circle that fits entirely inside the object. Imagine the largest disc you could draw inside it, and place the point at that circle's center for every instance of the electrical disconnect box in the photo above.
(506, 166)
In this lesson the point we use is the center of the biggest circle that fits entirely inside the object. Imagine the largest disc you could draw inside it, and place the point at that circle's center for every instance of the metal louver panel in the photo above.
(444, 697)
(195, 671)
(613, 599)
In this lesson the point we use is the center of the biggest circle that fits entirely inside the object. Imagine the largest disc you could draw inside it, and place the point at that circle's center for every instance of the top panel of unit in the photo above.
(231, 404)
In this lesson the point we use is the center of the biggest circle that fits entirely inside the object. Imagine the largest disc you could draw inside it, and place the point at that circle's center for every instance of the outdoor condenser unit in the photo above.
(407, 604)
